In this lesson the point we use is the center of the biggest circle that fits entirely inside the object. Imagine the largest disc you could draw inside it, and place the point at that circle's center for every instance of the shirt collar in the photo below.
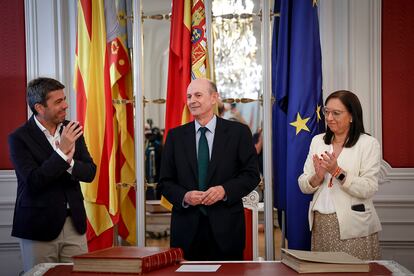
(211, 125)
(44, 130)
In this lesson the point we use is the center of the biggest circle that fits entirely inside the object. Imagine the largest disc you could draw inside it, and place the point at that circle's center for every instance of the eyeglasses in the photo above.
(335, 113)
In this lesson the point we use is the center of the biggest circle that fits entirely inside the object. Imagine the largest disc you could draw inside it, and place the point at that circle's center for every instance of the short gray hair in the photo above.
(213, 87)
(38, 90)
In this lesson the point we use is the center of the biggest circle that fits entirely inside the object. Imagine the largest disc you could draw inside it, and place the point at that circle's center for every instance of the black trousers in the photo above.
(205, 248)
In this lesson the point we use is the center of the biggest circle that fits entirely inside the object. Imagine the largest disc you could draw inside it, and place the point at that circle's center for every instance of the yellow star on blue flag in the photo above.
(298, 95)
(300, 123)
(318, 112)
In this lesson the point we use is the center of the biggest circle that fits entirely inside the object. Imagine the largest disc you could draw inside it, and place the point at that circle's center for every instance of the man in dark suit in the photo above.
(207, 217)
(50, 158)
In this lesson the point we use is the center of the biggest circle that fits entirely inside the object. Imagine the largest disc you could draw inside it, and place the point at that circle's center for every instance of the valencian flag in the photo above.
(188, 60)
(121, 85)
(103, 73)
(297, 84)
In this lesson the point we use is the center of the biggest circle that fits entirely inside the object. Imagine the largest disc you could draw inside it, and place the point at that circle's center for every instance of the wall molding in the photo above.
(397, 244)
(50, 42)
(389, 173)
(375, 67)
(9, 246)
(7, 203)
(394, 201)
(7, 176)
(398, 223)
(32, 62)
(8, 184)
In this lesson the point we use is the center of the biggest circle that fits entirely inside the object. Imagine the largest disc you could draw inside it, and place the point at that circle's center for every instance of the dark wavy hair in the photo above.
(38, 91)
(353, 106)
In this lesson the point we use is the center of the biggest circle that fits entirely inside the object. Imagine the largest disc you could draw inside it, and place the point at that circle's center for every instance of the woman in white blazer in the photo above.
(341, 171)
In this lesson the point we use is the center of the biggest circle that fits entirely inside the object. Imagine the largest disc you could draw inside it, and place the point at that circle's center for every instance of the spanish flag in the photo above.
(188, 60)
(103, 74)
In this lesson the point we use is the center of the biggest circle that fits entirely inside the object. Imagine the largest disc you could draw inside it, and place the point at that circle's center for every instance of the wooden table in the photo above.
(239, 268)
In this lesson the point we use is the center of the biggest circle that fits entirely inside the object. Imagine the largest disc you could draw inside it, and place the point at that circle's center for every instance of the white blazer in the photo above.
(362, 164)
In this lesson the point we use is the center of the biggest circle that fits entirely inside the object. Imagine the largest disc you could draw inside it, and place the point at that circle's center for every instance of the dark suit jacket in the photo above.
(44, 187)
(233, 165)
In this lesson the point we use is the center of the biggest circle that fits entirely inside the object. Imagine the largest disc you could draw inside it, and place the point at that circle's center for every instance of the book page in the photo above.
(323, 257)
(198, 268)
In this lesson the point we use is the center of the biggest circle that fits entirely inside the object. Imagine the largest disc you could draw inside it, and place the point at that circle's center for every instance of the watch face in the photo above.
(341, 177)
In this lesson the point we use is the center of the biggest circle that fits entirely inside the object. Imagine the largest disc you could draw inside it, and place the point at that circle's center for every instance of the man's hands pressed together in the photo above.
(209, 197)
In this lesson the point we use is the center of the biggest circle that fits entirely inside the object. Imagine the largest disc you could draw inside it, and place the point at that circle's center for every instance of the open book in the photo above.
(315, 262)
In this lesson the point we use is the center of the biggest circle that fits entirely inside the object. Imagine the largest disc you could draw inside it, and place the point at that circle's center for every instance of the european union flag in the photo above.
(297, 113)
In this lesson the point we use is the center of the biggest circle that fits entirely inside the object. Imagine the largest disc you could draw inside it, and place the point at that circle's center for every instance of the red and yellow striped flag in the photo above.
(187, 60)
(179, 66)
(121, 82)
(103, 73)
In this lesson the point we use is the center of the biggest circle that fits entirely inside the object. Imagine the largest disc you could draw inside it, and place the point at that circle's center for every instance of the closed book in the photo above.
(154, 206)
(317, 262)
(127, 259)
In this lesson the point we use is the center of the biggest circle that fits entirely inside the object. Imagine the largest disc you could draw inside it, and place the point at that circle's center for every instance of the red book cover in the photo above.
(127, 259)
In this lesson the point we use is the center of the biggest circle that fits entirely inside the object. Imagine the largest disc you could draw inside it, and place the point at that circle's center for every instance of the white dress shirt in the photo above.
(361, 162)
(54, 141)
(211, 128)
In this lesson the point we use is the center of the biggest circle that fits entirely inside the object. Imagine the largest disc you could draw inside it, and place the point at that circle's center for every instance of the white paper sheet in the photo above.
(198, 268)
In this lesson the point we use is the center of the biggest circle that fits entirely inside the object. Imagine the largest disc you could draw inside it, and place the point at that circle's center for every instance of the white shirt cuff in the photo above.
(65, 157)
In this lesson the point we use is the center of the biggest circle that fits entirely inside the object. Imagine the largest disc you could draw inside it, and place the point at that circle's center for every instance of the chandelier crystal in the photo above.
(238, 75)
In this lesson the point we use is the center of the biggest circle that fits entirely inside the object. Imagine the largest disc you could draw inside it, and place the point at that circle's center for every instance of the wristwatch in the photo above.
(341, 176)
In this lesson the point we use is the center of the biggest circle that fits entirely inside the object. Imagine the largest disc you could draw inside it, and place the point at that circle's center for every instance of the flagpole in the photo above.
(209, 31)
(139, 123)
(267, 131)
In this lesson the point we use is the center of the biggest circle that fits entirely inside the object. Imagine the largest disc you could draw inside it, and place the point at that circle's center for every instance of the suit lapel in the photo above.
(190, 147)
(39, 137)
(219, 144)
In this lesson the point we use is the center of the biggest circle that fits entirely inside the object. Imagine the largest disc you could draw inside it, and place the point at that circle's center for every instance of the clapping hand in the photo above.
(319, 169)
(328, 162)
(71, 132)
